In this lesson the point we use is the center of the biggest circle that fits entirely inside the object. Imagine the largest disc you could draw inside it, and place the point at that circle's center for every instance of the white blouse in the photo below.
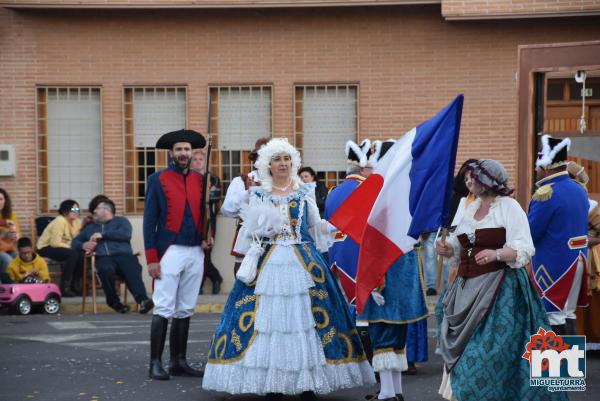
(235, 198)
(504, 212)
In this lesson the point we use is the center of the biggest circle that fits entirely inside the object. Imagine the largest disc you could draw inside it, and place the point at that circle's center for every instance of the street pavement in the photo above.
(105, 357)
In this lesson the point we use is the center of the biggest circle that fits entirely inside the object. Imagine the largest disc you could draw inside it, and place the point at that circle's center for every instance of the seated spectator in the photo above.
(28, 267)
(91, 207)
(109, 237)
(55, 243)
(9, 232)
(308, 175)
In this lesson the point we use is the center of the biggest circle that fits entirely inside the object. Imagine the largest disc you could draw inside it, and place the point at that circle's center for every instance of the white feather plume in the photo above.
(261, 219)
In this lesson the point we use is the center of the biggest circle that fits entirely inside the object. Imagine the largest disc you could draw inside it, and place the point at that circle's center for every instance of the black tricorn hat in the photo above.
(553, 153)
(169, 139)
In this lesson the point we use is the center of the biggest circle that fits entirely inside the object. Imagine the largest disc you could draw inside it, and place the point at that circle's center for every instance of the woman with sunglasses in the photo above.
(55, 243)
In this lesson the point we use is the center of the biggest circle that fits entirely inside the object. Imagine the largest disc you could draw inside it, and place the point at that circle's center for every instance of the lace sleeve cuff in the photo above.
(524, 253)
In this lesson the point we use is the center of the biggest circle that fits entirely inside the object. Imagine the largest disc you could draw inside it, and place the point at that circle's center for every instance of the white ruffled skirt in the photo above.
(286, 355)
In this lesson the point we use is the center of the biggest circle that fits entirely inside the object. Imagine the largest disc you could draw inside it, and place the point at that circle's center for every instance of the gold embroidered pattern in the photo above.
(245, 300)
(221, 346)
(319, 310)
(245, 325)
(235, 340)
(321, 277)
(349, 345)
(293, 204)
(327, 338)
(321, 294)
(312, 265)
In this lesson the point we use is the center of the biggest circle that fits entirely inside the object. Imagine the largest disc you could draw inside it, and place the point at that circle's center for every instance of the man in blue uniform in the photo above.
(343, 254)
(558, 221)
(399, 301)
(174, 250)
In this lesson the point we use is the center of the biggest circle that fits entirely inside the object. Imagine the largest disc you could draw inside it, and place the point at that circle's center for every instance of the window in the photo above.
(148, 113)
(326, 118)
(240, 115)
(69, 140)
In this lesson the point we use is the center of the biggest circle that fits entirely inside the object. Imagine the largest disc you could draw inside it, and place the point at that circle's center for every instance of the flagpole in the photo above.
(205, 193)
(440, 264)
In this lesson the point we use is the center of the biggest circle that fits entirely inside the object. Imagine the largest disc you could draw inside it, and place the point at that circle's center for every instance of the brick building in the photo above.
(86, 87)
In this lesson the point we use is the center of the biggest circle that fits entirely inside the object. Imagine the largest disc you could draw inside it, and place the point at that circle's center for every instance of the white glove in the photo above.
(378, 298)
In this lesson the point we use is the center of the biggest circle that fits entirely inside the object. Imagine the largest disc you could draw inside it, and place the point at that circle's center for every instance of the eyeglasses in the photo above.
(75, 209)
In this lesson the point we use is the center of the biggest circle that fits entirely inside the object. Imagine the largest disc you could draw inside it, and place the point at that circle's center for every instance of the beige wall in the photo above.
(453, 9)
(408, 61)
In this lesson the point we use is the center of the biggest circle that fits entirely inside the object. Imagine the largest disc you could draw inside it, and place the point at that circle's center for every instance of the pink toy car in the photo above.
(23, 297)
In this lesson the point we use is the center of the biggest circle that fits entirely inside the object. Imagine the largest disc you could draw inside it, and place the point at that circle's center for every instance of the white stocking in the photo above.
(397, 379)
(387, 385)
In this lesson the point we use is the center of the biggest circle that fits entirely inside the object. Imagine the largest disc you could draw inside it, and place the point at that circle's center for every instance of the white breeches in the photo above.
(568, 312)
(176, 292)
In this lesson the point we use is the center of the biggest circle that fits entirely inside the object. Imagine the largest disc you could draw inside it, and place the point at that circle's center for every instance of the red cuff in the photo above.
(152, 256)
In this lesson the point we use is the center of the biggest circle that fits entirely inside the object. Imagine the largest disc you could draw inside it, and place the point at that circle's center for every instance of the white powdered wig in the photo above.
(263, 163)
(547, 154)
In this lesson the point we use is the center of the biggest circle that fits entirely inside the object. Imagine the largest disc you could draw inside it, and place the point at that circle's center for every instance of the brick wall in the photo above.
(408, 61)
(457, 9)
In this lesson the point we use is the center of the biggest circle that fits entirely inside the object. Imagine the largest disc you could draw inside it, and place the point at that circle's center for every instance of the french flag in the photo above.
(406, 195)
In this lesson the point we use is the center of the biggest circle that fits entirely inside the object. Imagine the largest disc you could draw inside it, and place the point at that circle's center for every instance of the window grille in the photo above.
(240, 116)
(148, 113)
(326, 117)
(69, 134)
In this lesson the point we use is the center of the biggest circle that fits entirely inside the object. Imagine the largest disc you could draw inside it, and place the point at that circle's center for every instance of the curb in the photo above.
(75, 309)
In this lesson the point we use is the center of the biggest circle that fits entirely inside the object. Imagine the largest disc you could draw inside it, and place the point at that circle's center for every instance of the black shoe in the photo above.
(431, 292)
(308, 396)
(146, 306)
(399, 397)
(76, 290)
(412, 369)
(178, 339)
(217, 286)
(158, 335)
(374, 398)
(67, 293)
(273, 396)
(120, 308)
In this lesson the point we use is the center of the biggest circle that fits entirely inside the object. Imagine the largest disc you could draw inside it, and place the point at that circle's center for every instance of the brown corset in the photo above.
(485, 238)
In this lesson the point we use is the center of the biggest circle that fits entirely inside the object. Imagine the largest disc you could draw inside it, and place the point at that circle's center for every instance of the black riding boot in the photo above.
(158, 334)
(559, 329)
(178, 339)
(570, 327)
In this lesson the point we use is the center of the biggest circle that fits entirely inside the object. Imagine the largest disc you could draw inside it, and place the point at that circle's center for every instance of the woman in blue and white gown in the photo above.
(285, 328)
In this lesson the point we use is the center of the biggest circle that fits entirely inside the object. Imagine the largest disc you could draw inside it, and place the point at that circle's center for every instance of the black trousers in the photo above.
(126, 266)
(210, 270)
(71, 261)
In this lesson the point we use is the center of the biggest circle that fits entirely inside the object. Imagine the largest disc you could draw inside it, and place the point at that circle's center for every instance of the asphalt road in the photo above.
(105, 357)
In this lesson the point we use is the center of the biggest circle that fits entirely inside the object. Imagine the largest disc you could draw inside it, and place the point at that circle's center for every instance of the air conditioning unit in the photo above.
(8, 163)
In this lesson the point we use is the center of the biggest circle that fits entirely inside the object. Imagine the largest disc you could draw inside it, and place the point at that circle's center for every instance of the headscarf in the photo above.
(491, 175)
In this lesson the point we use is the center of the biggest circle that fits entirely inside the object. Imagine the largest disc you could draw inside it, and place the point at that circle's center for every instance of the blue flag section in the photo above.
(432, 172)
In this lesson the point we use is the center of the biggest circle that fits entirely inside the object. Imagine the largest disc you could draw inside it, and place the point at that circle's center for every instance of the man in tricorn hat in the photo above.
(558, 221)
(174, 250)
